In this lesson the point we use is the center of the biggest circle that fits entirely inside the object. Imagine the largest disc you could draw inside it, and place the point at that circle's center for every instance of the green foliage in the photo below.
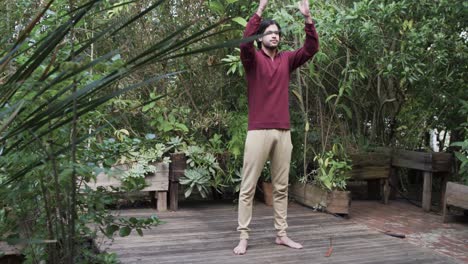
(203, 172)
(198, 178)
(234, 63)
(128, 150)
(104, 258)
(462, 156)
(7, 222)
(238, 132)
(134, 178)
(168, 121)
(110, 224)
(385, 75)
(177, 144)
(69, 77)
(216, 144)
(462, 153)
(139, 155)
(266, 172)
(234, 179)
(197, 157)
(333, 169)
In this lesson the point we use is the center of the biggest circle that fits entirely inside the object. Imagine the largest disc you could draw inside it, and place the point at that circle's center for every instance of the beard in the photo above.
(270, 46)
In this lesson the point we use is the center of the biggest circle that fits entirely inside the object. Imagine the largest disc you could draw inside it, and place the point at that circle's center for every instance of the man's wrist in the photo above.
(260, 11)
(308, 19)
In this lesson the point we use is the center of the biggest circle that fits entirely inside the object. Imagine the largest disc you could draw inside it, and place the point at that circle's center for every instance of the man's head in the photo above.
(270, 41)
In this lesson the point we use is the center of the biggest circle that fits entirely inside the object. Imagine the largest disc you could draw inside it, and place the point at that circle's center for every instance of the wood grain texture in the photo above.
(371, 159)
(157, 181)
(427, 191)
(455, 195)
(205, 233)
(425, 161)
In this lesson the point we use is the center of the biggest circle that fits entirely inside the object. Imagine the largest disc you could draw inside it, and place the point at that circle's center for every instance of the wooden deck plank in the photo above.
(222, 242)
(206, 234)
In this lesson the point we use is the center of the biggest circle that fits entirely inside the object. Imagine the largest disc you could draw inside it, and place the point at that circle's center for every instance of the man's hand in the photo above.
(304, 9)
(261, 6)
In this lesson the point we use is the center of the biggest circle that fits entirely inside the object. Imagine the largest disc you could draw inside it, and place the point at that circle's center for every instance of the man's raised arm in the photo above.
(305, 11)
(311, 43)
(248, 48)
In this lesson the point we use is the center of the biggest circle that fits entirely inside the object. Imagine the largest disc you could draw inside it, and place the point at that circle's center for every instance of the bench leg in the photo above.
(386, 191)
(444, 212)
(395, 181)
(427, 191)
(162, 201)
(445, 177)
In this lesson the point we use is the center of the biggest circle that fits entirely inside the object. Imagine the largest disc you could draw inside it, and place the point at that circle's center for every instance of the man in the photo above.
(268, 137)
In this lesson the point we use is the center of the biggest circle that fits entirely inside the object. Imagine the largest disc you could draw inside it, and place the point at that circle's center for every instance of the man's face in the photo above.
(271, 41)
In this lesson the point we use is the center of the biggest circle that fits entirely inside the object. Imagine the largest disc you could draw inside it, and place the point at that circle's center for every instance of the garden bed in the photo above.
(336, 202)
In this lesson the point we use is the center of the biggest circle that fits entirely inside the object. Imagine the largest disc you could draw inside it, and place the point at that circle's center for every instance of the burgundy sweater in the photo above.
(268, 80)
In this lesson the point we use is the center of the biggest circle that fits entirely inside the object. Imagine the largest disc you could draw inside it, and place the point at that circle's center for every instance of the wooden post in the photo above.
(427, 191)
(162, 201)
(176, 170)
(394, 181)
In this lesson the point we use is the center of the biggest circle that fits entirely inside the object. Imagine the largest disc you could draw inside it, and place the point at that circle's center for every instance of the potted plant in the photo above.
(333, 171)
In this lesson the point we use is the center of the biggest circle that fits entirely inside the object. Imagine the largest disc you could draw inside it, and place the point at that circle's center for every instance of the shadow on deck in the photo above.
(205, 233)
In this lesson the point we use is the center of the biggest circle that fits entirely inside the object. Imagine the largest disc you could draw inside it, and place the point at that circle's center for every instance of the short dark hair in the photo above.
(263, 25)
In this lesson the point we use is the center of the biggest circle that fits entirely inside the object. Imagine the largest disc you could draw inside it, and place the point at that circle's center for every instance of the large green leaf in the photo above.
(125, 231)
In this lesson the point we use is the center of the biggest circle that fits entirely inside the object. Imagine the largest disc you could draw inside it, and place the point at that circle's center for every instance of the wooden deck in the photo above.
(420, 228)
(205, 233)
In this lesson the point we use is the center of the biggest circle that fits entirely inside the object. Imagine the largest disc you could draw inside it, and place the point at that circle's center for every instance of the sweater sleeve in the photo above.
(247, 53)
(307, 51)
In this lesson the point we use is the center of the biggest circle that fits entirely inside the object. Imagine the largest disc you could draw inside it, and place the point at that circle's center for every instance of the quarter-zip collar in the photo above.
(268, 56)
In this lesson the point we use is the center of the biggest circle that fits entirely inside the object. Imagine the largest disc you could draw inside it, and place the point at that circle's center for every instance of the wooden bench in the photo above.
(373, 167)
(455, 195)
(429, 163)
(158, 184)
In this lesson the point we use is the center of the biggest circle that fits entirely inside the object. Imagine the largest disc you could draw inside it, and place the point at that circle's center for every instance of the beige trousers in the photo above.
(262, 145)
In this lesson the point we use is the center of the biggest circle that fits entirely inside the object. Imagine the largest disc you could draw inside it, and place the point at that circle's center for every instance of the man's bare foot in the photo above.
(286, 241)
(241, 247)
